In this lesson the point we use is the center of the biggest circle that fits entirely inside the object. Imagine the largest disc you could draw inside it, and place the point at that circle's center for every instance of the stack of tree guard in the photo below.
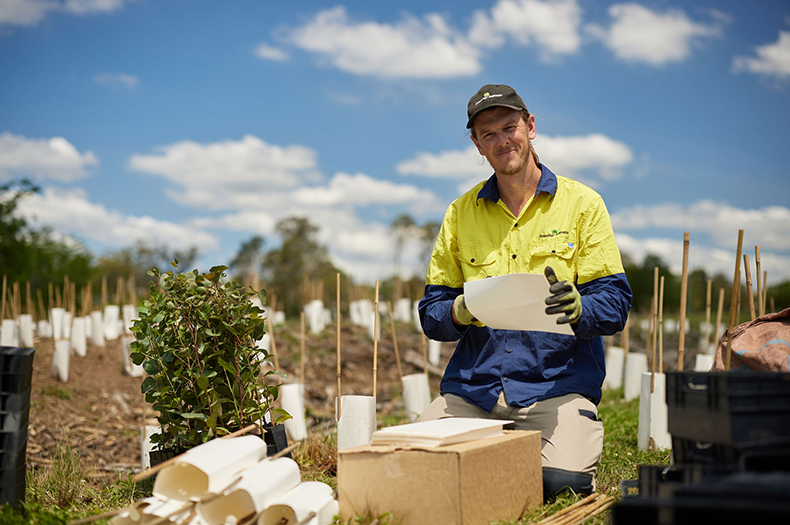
(16, 373)
(731, 452)
(231, 481)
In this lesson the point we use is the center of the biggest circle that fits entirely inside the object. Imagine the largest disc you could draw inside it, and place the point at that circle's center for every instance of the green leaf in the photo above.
(148, 382)
(227, 366)
(151, 366)
(194, 415)
(158, 318)
(202, 382)
(262, 296)
(281, 416)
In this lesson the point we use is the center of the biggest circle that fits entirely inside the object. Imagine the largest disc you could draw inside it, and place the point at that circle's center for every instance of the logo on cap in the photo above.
(486, 96)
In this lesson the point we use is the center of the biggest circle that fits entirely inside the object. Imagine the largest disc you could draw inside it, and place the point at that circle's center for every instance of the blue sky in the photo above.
(204, 123)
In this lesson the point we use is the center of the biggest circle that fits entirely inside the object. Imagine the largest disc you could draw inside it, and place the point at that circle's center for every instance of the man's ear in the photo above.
(477, 146)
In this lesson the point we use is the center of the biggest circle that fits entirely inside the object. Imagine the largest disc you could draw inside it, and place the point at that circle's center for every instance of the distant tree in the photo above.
(14, 243)
(428, 235)
(247, 260)
(300, 255)
(403, 228)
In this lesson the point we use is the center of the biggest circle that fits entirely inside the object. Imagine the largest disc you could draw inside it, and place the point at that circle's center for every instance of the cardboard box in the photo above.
(470, 483)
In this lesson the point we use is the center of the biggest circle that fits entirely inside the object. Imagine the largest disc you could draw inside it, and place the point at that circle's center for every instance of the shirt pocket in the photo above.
(559, 255)
(478, 262)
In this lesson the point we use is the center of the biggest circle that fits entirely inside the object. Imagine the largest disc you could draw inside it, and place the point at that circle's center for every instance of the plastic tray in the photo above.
(729, 408)
(16, 382)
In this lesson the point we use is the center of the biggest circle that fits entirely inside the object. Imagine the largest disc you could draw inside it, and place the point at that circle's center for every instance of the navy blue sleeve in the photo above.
(605, 305)
(435, 306)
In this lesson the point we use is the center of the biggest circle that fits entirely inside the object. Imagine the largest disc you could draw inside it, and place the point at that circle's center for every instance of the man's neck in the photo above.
(516, 190)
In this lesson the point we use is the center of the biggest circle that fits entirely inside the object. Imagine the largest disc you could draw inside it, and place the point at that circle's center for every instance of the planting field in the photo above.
(84, 435)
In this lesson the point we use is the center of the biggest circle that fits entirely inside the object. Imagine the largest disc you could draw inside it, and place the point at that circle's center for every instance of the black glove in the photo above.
(565, 299)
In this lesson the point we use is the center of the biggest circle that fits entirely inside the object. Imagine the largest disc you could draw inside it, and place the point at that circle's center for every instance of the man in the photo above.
(525, 219)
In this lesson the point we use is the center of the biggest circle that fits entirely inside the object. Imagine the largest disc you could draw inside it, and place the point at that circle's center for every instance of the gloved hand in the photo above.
(462, 313)
(565, 298)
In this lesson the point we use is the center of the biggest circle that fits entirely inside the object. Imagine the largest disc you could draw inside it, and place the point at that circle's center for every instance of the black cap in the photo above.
(492, 95)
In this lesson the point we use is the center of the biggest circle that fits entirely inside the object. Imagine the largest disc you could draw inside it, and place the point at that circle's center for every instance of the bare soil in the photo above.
(99, 412)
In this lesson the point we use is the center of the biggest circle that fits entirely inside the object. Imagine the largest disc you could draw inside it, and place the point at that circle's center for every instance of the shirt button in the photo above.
(514, 255)
(515, 225)
(552, 251)
(509, 350)
(506, 380)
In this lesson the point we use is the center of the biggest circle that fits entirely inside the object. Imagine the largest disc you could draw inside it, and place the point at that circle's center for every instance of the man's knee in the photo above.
(556, 481)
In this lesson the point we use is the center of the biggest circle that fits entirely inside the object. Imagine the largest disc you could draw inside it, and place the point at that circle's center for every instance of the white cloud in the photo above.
(117, 79)
(410, 48)
(451, 164)
(226, 174)
(55, 158)
(253, 221)
(360, 189)
(267, 52)
(25, 12)
(771, 60)
(638, 34)
(71, 212)
(551, 25)
(31, 12)
(564, 155)
(568, 155)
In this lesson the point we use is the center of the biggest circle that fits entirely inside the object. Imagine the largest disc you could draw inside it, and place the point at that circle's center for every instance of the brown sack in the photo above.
(762, 345)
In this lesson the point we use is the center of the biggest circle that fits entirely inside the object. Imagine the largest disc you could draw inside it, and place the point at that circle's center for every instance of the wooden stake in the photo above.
(627, 337)
(424, 340)
(375, 338)
(394, 339)
(719, 312)
(760, 303)
(736, 287)
(271, 337)
(765, 290)
(338, 347)
(2, 301)
(42, 312)
(103, 292)
(683, 300)
(654, 334)
(301, 349)
(707, 315)
(133, 290)
(748, 270)
(30, 306)
(661, 328)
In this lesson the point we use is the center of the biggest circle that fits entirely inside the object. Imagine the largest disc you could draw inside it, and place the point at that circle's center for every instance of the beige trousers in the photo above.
(572, 435)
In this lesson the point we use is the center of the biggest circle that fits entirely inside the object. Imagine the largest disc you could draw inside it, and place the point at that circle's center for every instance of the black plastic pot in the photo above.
(276, 439)
(16, 371)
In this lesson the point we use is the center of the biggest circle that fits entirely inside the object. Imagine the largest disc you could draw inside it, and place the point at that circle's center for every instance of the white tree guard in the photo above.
(311, 498)
(704, 362)
(635, 366)
(111, 316)
(208, 467)
(653, 422)
(129, 368)
(97, 329)
(416, 394)
(60, 360)
(260, 486)
(44, 328)
(79, 338)
(26, 330)
(292, 401)
(56, 319)
(9, 335)
(146, 446)
(615, 366)
(402, 310)
(357, 421)
(434, 351)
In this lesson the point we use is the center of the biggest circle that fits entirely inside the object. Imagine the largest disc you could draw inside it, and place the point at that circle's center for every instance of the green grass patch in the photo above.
(55, 391)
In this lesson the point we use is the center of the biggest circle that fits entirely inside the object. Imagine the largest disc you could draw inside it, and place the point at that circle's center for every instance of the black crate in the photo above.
(15, 360)
(13, 441)
(14, 421)
(15, 401)
(760, 457)
(729, 408)
(16, 382)
(12, 485)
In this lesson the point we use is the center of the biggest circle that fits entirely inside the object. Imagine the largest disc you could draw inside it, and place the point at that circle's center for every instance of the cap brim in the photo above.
(489, 106)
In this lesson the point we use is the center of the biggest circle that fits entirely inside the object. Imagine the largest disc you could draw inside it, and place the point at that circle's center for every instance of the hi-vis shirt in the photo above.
(565, 226)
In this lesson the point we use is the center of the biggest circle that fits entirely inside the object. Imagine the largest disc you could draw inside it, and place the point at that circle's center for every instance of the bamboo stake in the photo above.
(153, 470)
(375, 338)
(719, 312)
(271, 336)
(133, 290)
(103, 292)
(338, 347)
(2, 301)
(30, 307)
(748, 270)
(661, 328)
(42, 312)
(51, 304)
(570, 508)
(627, 338)
(707, 315)
(66, 289)
(760, 303)
(655, 328)
(16, 301)
(773, 305)
(58, 299)
(394, 339)
(301, 345)
(683, 300)
(736, 287)
(649, 350)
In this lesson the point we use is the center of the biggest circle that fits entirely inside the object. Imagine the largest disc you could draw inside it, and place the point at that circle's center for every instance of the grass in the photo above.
(65, 491)
(61, 393)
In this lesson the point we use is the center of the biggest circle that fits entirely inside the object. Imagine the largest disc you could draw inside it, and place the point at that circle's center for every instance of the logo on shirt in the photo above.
(553, 233)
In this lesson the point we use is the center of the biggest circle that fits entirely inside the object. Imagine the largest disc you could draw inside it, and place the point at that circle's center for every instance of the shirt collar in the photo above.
(547, 183)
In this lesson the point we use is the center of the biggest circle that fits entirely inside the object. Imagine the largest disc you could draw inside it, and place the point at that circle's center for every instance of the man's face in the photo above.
(503, 137)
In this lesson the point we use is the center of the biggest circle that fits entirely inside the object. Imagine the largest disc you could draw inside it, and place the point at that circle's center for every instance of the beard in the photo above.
(518, 167)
